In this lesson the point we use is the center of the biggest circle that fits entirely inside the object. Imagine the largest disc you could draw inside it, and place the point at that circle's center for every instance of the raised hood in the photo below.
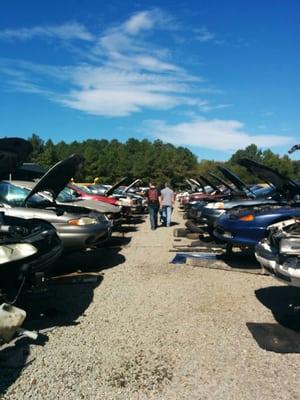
(132, 184)
(13, 152)
(115, 186)
(238, 183)
(57, 177)
(209, 183)
(283, 185)
(198, 184)
(221, 180)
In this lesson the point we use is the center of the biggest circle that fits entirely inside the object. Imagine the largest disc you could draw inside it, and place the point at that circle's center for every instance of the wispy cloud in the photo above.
(204, 35)
(119, 72)
(67, 31)
(123, 70)
(224, 135)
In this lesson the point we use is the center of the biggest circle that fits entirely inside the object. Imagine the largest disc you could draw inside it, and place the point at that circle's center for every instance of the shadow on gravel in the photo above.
(134, 220)
(66, 299)
(14, 358)
(242, 261)
(92, 261)
(174, 223)
(61, 305)
(128, 229)
(284, 337)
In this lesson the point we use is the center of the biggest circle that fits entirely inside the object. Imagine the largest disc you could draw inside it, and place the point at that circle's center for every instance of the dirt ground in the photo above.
(148, 329)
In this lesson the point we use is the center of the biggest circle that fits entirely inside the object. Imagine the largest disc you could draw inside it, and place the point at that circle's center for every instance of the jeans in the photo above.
(153, 212)
(166, 214)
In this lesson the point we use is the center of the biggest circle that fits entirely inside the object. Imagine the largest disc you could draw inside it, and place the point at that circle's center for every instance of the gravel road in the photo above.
(153, 330)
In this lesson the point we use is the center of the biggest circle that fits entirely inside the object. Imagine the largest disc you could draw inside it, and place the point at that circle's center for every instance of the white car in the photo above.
(279, 253)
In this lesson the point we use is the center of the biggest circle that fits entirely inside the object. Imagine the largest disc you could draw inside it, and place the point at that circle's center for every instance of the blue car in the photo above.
(247, 226)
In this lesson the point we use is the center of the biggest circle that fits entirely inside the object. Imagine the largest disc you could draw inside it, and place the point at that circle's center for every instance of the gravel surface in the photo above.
(153, 330)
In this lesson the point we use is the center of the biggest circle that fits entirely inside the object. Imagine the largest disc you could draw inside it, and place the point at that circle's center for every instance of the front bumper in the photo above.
(285, 269)
(210, 216)
(41, 263)
(240, 234)
(81, 237)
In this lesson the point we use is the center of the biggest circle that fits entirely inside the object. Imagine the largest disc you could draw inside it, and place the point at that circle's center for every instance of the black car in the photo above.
(28, 248)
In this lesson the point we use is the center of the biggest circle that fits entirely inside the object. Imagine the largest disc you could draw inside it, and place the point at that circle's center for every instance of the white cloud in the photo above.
(123, 72)
(120, 72)
(118, 103)
(67, 31)
(140, 21)
(224, 135)
(203, 35)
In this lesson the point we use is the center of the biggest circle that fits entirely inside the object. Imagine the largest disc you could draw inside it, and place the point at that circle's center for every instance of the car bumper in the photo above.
(39, 264)
(244, 236)
(210, 217)
(80, 237)
(286, 272)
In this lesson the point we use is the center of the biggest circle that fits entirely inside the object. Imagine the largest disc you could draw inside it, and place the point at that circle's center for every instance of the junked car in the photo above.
(91, 192)
(279, 252)
(78, 227)
(137, 202)
(29, 248)
(67, 197)
(254, 195)
(211, 212)
(238, 195)
(129, 201)
(248, 225)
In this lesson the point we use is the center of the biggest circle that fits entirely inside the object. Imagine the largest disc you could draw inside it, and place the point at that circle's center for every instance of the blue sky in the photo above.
(214, 76)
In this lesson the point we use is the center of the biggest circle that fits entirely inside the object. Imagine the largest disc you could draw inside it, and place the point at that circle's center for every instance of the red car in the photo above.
(85, 193)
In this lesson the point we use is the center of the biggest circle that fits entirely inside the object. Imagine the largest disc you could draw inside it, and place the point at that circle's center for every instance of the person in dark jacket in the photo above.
(152, 196)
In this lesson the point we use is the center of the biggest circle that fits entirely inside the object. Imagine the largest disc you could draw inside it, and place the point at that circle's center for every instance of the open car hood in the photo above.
(58, 176)
(238, 183)
(132, 184)
(209, 183)
(115, 186)
(283, 185)
(221, 180)
(13, 152)
(197, 184)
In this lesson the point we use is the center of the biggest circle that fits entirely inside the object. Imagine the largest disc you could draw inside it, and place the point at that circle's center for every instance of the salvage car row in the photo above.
(264, 218)
(41, 220)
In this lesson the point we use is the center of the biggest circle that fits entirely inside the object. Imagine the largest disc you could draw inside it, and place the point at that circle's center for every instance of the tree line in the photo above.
(111, 160)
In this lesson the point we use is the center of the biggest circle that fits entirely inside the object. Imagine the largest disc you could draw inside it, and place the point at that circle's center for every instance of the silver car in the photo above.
(68, 197)
(78, 227)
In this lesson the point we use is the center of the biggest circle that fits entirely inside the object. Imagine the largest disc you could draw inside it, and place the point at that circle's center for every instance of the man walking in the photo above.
(167, 200)
(153, 204)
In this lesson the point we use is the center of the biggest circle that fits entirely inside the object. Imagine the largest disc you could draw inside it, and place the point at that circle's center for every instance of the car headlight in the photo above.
(125, 202)
(82, 221)
(217, 205)
(17, 251)
(289, 246)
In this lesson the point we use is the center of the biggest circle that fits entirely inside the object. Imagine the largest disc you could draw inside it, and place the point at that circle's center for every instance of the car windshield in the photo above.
(15, 195)
(97, 189)
(119, 191)
(67, 195)
(263, 191)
